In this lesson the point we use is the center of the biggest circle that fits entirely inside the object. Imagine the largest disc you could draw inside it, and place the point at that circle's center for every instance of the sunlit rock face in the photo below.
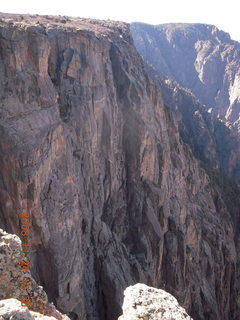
(199, 57)
(88, 148)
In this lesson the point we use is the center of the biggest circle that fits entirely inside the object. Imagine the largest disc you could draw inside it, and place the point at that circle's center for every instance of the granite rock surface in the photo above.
(12, 309)
(16, 282)
(143, 302)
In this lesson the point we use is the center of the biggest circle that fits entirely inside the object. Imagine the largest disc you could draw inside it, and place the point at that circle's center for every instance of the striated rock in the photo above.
(15, 283)
(88, 148)
(211, 141)
(12, 309)
(210, 138)
(143, 302)
(198, 57)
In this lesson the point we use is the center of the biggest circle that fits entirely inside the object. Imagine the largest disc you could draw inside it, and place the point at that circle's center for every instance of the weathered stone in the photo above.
(12, 309)
(15, 283)
(146, 303)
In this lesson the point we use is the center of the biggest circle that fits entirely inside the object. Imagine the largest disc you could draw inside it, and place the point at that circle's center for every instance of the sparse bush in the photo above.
(58, 20)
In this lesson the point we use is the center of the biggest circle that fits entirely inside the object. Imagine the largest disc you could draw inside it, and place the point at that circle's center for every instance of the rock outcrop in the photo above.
(15, 283)
(12, 309)
(198, 57)
(115, 197)
(143, 302)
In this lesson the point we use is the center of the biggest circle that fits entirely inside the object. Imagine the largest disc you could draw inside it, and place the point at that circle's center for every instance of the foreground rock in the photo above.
(12, 309)
(15, 283)
(143, 302)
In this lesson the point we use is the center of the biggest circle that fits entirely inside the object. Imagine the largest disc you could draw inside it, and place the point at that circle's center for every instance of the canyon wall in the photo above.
(88, 148)
(212, 142)
(170, 55)
(199, 57)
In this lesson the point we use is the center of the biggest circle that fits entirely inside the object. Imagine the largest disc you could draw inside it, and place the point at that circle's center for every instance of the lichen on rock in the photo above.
(11, 278)
(146, 303)
(12, 309)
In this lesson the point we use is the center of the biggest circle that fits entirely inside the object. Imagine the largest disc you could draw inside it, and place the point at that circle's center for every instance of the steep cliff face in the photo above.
(88, 148)
(211, 141)
(199, 57)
